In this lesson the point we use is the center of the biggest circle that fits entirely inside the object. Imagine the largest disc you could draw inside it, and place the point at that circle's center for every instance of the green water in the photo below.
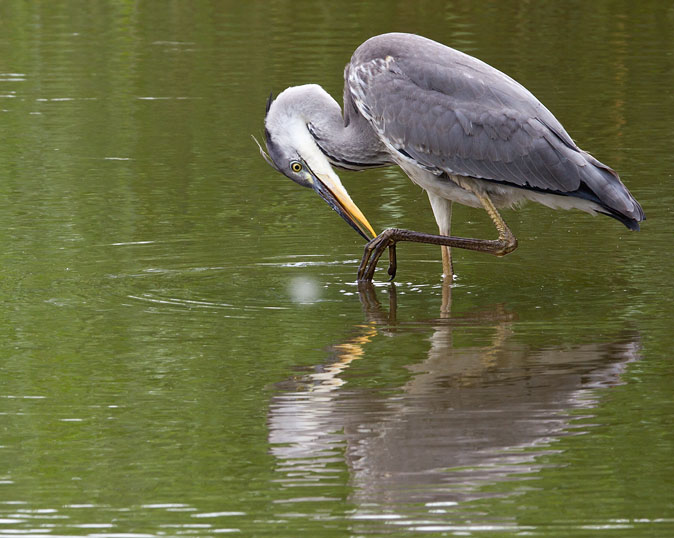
(184, 349)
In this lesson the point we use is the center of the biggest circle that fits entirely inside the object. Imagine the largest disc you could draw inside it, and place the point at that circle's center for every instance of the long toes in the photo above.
(367, 254)
(370, 264)
(369, 273)
(373, 251)
(363, 265)
(376, 254)
(392, 262)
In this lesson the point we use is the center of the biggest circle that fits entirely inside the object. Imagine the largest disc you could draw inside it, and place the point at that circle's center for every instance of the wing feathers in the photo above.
(454, 114)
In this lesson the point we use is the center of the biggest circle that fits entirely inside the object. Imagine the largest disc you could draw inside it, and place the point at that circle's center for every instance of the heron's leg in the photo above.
(442, 210)
(505, 243)
(447, 265)
(504, 234)
(446, 305)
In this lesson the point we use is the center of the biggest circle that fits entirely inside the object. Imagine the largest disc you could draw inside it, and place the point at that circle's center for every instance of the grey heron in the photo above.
(460, 129)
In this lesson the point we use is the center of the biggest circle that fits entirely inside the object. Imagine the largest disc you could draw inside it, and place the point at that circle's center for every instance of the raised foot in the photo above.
(505, 244)
(373, 251)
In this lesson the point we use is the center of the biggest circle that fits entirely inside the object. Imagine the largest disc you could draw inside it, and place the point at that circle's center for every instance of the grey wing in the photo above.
(453, 114)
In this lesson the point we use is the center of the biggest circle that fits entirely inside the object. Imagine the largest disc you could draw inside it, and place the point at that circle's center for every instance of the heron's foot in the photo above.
(505, 244)
(374, 250)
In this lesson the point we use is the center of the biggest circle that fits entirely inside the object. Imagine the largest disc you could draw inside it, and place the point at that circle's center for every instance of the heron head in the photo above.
(291, 150)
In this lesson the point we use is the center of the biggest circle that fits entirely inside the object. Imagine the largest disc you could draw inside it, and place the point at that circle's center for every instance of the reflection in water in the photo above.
(467, 418)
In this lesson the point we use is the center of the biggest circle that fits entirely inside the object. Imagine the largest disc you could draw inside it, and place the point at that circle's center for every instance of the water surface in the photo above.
(185, 350)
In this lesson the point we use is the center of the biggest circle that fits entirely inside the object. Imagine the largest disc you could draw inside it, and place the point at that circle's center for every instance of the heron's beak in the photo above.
(334, 193)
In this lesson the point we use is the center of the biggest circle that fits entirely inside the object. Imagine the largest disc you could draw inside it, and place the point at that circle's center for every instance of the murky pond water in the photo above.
(184, 349)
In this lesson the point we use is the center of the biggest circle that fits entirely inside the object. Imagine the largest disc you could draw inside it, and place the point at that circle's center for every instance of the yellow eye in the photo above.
(296, 167)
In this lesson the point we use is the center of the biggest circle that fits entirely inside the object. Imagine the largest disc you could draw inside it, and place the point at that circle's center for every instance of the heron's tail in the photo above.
(603, 186)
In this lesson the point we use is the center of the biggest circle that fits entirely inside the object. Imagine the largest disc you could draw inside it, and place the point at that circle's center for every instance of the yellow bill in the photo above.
(330, 188)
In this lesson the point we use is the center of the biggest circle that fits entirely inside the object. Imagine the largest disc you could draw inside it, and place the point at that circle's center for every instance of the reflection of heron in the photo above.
(473, 412)
(459, 128)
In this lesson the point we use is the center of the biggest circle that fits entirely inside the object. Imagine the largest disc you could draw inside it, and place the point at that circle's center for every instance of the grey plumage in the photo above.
(455, 115)
(458, 127)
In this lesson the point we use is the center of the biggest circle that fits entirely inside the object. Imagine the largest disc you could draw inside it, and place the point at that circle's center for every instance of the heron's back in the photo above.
(454, 115)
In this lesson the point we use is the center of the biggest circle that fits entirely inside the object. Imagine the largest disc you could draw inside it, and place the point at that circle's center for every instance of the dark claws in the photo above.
(392, 262)
(373, 251)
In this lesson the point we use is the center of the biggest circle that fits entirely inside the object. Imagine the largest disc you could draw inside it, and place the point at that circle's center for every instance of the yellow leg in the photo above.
(447, 266)
(505, 243)
(505, 236)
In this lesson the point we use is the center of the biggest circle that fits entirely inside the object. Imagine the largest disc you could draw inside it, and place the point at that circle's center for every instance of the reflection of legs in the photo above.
(373, 309)
(505, 243)
(494, 352)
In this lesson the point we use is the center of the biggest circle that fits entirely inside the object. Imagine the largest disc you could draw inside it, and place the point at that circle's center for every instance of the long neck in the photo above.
(354, 147)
